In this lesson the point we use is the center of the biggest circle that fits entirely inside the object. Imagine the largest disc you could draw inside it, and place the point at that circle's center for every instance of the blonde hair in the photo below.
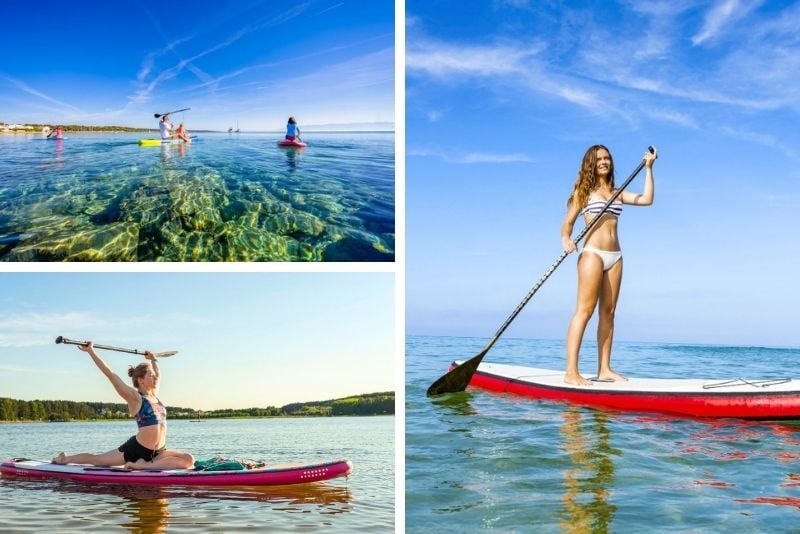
(138, 372)
(587, 176)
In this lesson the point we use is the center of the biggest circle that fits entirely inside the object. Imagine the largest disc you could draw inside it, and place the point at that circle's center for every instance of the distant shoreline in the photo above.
(191, 419)
(155, 131)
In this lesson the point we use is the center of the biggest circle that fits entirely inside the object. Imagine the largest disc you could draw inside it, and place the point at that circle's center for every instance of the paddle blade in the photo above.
(165, 354)
(457, 379)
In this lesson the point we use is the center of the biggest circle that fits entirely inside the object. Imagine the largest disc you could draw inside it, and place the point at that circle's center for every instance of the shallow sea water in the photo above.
(480, 460)
(240, 197)
(362, 502)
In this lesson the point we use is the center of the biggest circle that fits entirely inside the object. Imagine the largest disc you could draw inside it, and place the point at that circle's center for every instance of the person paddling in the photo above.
(147, 449)
(58, 133)
(165, 127)
(292, 130)
(600, 261)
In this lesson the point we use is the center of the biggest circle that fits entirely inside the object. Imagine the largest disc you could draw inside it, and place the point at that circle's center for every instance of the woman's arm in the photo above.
(125, 391)
(156, 370)
(645, 198)
(568, 225)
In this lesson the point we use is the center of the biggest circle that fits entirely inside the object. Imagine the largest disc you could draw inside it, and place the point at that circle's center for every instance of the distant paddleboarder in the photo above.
(58, 133)
(292, 130)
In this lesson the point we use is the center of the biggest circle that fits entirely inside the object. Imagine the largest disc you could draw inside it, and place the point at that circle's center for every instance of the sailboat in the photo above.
(237, 126)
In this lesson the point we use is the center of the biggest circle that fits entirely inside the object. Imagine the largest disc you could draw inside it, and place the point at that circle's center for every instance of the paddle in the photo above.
(61, 339)
(458, 378)
(157, 115)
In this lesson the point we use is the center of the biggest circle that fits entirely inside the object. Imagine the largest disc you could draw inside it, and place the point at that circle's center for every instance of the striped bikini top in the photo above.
(595, 205)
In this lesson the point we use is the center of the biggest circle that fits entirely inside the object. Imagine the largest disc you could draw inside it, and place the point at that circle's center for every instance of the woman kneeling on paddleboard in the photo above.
(600, 261)
(147, 449)
(292, 130)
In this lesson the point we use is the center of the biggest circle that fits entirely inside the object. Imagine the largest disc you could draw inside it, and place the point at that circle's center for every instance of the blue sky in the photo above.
(245, 339)
(504, 97)
(99, 63)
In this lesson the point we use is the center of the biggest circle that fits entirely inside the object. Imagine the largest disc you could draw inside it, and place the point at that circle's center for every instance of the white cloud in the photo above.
(31, 91)
(443, 59)
(31, 329)
(434, 115)
(34, 329)
(721, 15)
(675, 117)
(142, 95)
(477, 157)
(469, 157)
(759, 138)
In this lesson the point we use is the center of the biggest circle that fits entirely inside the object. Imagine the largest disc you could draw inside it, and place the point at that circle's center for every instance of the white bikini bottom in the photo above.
(608, 257)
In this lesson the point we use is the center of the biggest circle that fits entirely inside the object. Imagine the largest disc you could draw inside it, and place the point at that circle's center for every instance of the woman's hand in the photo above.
(650, 158)
(569, 245)
(87, 347)
(149, 355)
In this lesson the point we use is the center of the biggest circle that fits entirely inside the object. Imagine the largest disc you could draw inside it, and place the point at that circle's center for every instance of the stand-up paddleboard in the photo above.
(766, 399)
(271, 475)
(159, 142)
(291, 143)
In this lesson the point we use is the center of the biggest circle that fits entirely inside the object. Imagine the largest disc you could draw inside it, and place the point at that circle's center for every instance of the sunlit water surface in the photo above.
(478, 460)
(102, 197)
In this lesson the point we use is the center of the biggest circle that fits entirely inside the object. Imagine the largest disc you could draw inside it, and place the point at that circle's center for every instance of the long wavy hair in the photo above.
(587, 180)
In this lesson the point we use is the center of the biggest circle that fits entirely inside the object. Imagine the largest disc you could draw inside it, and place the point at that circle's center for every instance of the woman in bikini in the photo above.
(147, 449)
(600, 261)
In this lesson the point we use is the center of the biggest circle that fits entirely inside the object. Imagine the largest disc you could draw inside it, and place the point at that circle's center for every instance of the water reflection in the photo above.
(587, 484)
(292, 157)
(167, 153)
(455, 403)
(59, 149)
(152, 509)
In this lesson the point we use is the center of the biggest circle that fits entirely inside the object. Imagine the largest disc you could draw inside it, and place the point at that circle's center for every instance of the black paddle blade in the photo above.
(457, 379)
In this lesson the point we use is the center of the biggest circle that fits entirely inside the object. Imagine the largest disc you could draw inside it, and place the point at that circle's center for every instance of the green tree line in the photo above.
(46, 410)
(83, 128)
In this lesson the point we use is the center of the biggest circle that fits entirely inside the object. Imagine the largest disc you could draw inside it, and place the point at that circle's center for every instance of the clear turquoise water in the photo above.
(363, 502)
(478, 460)
(102, 197)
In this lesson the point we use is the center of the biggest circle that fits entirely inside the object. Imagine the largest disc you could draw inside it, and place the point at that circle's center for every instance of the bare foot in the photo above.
(611, 375)
(139, 465)
(576, 380)
(60, 459)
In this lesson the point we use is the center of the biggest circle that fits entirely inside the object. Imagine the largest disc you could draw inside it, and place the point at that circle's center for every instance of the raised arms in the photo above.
(130, 395)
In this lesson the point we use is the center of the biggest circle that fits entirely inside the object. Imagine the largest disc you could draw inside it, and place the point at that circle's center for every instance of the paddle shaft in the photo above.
(449, 384)
(157, 115)
(61, 339)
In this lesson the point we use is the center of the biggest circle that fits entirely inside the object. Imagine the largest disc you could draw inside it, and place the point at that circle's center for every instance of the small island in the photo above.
(13, 410)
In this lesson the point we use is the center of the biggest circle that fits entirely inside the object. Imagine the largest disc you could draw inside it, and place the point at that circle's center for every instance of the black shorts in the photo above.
(132, 451)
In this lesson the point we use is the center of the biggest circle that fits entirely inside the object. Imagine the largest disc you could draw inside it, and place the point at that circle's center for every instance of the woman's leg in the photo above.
(106, 459)
(590, 274)
(609, 295)
(167, 459)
